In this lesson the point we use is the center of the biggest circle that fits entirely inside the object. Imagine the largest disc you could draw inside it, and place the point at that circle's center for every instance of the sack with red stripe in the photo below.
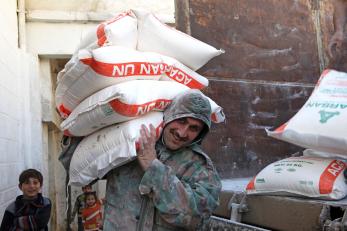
(119, 103)
(314, 153)
(109, 148)
(97, 69)
(125, 101)
(320, 123)
(121, 30)
(155, 36)
(302, 176)
(180, 73)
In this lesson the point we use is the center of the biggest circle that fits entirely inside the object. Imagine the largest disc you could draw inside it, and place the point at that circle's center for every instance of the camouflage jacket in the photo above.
(78, 207)
(178, 191)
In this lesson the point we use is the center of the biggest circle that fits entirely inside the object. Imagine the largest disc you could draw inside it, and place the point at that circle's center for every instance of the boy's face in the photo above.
(90, 200)
(30, 188)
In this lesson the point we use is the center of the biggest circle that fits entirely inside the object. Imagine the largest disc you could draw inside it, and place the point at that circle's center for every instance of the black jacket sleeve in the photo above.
(7, 221)
(42, 216)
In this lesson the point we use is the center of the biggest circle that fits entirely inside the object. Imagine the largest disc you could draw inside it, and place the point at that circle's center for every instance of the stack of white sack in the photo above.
(93, 70)
(112, 85)
(123, 102)
(160, 52)
(318, 126)
(108, 148)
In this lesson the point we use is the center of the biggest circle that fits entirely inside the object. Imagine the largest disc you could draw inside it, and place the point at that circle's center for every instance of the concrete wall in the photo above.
(101, 6)
(20, 110)
(67, 28)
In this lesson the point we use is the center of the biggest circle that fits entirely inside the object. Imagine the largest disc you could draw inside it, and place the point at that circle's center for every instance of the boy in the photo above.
(30, 211)
(79, 205)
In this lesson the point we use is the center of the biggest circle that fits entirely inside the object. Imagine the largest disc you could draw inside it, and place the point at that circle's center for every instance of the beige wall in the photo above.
(20, 111)
(54, 28)
(101, 6)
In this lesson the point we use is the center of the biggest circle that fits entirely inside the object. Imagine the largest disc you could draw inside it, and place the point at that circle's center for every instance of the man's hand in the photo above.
(146, 152)
(335, 43)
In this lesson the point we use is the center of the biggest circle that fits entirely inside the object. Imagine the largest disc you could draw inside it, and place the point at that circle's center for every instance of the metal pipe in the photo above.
(21, 24)
(235, 215)
(319, 38)
(182, 16)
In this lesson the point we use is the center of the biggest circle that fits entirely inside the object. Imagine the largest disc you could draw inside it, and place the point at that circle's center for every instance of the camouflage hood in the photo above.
(191, 103)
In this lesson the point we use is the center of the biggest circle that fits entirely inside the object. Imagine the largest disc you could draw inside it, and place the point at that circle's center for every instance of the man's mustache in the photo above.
(177, 136)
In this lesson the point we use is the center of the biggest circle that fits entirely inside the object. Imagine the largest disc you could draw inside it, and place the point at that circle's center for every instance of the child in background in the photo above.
(30, 211)
(79, 206)
(91, 214)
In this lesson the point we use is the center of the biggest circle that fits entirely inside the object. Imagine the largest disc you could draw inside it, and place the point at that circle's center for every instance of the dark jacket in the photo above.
(183, 185)
(25, 214)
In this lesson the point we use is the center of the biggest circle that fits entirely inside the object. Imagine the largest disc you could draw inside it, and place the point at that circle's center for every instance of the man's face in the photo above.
(181, 132)
(30, 188)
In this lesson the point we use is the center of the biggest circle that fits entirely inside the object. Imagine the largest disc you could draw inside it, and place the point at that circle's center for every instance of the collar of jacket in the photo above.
(195, 147)
(37, 202)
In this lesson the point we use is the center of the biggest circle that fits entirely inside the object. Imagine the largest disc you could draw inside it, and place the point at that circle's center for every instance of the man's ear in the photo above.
(20, 186)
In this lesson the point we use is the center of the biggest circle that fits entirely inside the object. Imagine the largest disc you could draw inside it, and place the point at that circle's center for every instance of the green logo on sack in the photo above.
(107, 110)
(260, 180)
(306, 183)
(291, 169)
(326, 115)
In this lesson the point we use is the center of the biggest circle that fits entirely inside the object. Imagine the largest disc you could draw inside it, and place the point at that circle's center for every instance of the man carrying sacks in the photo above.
(173, 185)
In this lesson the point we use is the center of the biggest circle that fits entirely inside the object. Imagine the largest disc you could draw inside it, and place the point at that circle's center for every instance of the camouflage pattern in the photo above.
(178, 191)
(190, 103)
(78, 207)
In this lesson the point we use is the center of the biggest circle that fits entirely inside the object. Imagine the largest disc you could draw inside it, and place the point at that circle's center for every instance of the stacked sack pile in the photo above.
(125, 73)
(319, 126)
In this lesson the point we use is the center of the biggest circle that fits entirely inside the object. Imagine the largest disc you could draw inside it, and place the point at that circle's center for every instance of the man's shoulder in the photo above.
(197, 150)
(80, 199)
(81, 196)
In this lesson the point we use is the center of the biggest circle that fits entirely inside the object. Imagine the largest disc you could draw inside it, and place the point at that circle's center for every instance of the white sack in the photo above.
(321, 123)
(176, 71)
(217, 115)
(94, 70)
(123, 102)
(314, 153)
(119, 103)
(304, 176)
(155, 36)
(109, 148)
(121, 30)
